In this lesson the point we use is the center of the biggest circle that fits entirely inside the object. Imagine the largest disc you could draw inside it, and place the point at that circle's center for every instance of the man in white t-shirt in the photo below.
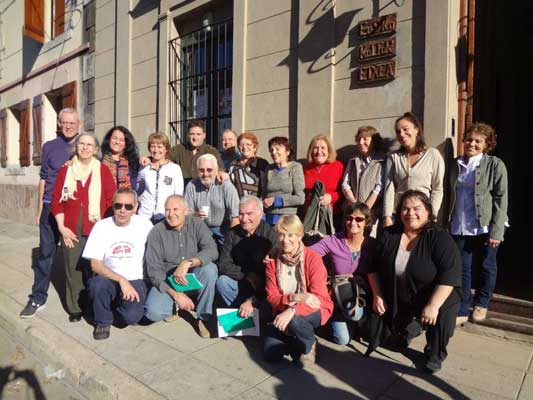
(115, 248)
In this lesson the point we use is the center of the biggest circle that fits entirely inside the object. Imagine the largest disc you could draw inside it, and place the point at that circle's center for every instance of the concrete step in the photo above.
(511, 306)
(508, 322)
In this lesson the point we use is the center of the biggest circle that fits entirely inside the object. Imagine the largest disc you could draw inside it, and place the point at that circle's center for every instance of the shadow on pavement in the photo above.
(10, 374)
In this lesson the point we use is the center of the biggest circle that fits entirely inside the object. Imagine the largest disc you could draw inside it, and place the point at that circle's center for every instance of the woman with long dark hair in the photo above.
(416, 281)
(415, 166)
(121, 155)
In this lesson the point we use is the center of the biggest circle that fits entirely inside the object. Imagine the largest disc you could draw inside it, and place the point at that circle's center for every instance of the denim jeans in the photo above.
(299, 339)
(105, 295)
(42, 269)
(160, 305)
(475, 253)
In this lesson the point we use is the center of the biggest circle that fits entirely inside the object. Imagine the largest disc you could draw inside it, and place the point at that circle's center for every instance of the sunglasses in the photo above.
(118, 206)
(209, 170)
(356, 219)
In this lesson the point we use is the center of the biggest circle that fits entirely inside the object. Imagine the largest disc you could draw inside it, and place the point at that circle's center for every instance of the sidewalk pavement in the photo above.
(169, 361)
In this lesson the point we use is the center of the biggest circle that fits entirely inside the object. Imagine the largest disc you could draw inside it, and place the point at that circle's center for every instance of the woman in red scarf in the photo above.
(296, 287)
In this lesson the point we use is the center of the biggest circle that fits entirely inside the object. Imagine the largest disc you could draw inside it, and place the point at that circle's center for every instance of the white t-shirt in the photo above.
(120, 248)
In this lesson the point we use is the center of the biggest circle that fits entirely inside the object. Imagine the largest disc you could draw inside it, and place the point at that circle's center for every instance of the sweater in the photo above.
(72, 207)
(329, 174)
(435, 260)
(182, 155)
(316, 278)
(55, 153)
(340, 254)
(426, 176)
(287, 186)
(241, 254)
(363, 181)
(491, 194)
(166, 247)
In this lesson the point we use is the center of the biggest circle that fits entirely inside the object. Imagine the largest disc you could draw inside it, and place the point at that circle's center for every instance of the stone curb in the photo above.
(92, 376)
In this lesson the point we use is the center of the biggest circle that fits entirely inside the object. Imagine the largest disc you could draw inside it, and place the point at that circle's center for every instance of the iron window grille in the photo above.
(200, 78)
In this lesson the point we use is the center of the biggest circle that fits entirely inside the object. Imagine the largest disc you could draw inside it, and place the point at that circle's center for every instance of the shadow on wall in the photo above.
(30, 52)
(144, 6)
(316, 47)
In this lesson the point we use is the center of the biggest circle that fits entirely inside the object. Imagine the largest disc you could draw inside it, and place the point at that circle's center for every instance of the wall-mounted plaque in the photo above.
(377, 72)
(377, 49)
(378, 26)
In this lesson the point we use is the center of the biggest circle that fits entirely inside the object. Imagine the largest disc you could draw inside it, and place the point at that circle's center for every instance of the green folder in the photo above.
(192, 283)
(231, 322)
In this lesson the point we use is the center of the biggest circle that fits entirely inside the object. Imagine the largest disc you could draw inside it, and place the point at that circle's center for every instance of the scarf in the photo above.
(297, 260)
(119, 170)
(80, 172)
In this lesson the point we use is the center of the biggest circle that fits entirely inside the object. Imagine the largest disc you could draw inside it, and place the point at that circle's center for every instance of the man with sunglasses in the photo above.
(115, 248)
(216, 203)
(54, 154)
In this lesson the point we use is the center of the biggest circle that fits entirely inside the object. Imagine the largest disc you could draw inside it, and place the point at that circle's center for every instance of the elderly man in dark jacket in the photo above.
(242, 272)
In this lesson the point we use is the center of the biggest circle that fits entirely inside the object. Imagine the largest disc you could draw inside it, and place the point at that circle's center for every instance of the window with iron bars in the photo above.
(200, 80)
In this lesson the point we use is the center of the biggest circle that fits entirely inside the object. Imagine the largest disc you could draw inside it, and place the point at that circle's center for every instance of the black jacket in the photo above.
(241, 254)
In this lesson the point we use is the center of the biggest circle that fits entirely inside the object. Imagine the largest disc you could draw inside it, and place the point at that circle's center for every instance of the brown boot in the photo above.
(309, 359)
(479, 314)
(202, 329)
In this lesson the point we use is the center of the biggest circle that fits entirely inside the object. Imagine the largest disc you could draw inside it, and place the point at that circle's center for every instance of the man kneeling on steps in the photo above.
(115, 248)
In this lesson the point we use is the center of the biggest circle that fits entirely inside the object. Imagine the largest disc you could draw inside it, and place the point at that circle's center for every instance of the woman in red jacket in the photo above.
(323, 166)
(296, 287)
(82, 195)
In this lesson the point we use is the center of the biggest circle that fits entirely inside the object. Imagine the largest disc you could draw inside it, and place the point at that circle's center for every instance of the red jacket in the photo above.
(316, 278)
(71, 208)
(330, 174)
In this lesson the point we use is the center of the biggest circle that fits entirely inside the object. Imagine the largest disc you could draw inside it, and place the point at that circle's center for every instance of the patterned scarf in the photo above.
(119, 170)
(297, 260)
(81, 172)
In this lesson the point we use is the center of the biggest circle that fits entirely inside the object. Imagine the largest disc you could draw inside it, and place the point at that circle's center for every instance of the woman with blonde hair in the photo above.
(322, 166)
(82, 195)
(296, 287)
(159, 179)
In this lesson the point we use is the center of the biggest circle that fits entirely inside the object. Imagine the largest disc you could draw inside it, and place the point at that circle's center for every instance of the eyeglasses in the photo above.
(67, 123)
(209, 170)
(356, 219)
(80, 144)
(118, 206)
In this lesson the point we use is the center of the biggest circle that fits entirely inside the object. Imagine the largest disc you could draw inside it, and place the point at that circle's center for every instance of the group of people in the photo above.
(271, 237)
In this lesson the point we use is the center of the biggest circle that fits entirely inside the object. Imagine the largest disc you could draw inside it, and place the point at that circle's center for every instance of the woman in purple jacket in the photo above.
(349, 253)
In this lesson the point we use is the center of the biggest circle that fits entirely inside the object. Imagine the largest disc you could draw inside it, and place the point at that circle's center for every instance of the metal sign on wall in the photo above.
(377, 49)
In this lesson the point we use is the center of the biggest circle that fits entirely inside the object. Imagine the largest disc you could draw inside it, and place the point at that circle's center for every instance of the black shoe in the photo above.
(432, 366)
(31, 309)
(75, 317)
(101, 332)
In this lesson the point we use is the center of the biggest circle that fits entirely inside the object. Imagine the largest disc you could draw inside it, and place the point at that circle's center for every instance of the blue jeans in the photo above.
(228, 289)
(160, 305)
(300, 338)
(474, 253)
(42, 269)
(104, 294)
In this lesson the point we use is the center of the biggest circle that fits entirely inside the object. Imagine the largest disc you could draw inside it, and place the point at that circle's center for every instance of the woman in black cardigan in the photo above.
(417, 279)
